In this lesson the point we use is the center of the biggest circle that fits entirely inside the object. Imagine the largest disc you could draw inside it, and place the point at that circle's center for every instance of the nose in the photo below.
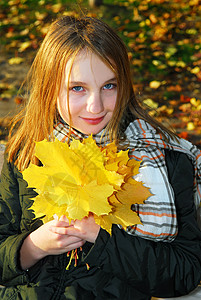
(95, 103)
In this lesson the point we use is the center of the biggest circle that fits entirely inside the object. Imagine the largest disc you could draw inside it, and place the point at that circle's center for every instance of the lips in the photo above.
(93, 121)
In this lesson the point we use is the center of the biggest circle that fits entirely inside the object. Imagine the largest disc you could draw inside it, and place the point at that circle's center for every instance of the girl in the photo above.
(80, 84)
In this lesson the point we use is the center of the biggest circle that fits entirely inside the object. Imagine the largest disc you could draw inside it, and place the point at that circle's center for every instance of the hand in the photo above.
(86, 229)
(46, 241)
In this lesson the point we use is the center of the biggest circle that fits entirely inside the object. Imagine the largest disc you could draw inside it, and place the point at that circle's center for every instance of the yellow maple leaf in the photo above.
(49, 205)
(135, 165)
(82, 178)
(133, 192)
(94, 163)
(67, 178)
(106, 221)
(90, 198)
(122, 201)
(113, 156)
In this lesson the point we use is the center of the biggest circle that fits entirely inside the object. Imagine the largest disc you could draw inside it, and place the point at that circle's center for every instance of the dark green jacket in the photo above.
(122, 266)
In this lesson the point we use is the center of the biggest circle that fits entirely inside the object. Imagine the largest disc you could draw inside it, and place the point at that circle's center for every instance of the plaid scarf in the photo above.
(158, 213)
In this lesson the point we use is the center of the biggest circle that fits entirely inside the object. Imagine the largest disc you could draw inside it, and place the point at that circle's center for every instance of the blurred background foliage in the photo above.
(163, 39)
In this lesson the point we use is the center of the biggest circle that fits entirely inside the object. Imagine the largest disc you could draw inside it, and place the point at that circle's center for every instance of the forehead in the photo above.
(86, 63)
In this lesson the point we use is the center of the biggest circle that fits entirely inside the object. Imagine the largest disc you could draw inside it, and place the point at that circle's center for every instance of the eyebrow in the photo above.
(83, 83)
(112, 79)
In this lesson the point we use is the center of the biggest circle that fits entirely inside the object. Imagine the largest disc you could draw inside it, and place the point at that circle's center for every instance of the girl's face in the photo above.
(92, 93)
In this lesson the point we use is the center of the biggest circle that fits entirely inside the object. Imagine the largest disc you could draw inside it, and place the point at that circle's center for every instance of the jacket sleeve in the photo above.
(160, 269)
(11, 237)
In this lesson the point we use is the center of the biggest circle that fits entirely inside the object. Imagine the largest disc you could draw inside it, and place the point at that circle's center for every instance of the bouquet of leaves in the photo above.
(82, 178)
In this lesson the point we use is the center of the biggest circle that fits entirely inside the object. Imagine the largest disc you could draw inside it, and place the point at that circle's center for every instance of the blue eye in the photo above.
(109, 86)
(77, 88)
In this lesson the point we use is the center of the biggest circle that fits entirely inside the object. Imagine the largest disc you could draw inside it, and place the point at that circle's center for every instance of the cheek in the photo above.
(112, 102)
(74, 107)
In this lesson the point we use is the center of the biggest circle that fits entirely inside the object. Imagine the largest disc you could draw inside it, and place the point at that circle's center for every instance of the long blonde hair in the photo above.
(66, 37)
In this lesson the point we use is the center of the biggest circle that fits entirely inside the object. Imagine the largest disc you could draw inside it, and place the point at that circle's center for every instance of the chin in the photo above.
(92, 131)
